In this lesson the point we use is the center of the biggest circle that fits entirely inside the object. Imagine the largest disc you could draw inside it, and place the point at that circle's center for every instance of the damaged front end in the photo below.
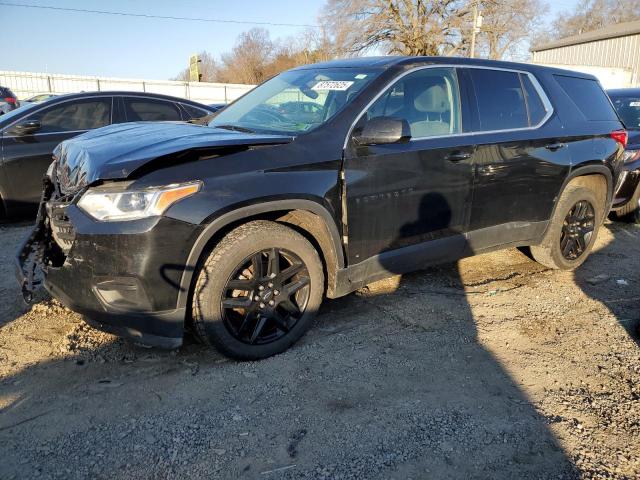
(48, 241)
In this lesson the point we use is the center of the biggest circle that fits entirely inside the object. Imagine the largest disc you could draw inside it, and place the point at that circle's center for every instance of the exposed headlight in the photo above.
(631, 156)
(107, 205)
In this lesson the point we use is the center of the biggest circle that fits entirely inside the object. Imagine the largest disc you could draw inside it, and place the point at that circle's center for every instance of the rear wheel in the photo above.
(572, 231)
(258, 291)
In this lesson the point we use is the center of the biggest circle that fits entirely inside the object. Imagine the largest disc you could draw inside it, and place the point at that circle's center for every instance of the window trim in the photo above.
(536, 85)
(37, 110)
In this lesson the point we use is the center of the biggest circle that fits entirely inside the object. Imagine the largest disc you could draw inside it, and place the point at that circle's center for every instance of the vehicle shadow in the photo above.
(619, 292)
(386, 385)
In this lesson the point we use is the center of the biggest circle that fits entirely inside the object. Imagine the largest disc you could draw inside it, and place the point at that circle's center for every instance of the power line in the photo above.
(162, 17)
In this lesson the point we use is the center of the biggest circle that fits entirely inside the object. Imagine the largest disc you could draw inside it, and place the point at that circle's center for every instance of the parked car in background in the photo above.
(8, 100)
(29, 134)
(627, 196)
(217, 106)
(39, 98)
(241, 227)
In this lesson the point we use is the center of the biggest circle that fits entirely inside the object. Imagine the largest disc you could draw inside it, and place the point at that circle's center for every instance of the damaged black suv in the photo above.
(315, 183)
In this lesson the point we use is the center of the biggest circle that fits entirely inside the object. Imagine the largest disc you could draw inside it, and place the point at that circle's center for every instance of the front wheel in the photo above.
(572, 230)
(258, 291)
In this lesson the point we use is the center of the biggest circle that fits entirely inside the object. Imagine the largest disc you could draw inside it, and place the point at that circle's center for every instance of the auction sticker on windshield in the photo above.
(332, 85)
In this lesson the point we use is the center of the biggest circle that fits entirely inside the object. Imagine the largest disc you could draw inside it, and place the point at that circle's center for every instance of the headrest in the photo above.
(433, 99)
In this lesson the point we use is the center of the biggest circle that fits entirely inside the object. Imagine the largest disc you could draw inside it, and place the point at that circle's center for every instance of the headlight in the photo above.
(631, 156)
(107, 205)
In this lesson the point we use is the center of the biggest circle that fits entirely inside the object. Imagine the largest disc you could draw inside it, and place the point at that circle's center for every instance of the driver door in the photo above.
(408, 203)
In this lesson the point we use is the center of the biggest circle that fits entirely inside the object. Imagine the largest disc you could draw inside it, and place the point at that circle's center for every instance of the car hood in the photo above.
(116, 151)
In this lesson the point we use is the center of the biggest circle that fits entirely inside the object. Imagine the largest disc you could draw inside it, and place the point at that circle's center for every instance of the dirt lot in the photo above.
(490, 368)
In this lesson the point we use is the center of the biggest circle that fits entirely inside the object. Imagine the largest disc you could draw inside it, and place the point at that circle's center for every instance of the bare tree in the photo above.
(407, 27)
(507, 26)
(255, 57)
(589, 15)
(311, 47)
(248, 60)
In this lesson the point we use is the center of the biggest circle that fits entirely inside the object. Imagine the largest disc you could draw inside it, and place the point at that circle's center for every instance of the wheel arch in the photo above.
(590, 176)
(305, 216)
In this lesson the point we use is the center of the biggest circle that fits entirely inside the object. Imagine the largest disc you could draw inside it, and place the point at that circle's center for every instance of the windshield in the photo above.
(629, 110)
(294, 102)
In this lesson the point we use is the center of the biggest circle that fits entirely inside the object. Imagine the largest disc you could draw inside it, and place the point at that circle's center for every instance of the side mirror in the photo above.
(27, 127)
(383, 130)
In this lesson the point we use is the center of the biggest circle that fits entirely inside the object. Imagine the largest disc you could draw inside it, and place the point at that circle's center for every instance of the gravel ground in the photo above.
(493, 367)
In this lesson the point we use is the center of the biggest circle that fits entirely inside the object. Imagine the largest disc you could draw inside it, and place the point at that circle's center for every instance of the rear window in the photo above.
(588, 97)
(629, 110)
(150, 110)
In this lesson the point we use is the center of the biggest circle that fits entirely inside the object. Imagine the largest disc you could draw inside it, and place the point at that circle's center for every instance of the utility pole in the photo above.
(477, 23)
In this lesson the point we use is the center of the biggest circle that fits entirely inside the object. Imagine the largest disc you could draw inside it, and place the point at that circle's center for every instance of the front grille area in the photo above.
(62, 230)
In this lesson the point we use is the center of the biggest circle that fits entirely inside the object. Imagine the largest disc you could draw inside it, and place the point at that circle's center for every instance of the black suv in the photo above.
(239, 228)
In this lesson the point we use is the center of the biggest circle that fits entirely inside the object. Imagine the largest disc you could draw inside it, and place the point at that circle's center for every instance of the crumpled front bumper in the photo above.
(124, 277)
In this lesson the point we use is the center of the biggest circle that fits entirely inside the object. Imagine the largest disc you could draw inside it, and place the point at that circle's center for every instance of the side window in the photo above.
(588, 96)
(150, 110)
(427, 99)
(501, 104)
(74, 115)
(194, 112)
(535, 107)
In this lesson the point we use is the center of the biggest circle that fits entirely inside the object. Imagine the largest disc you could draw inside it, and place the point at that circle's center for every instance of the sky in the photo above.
(41, 40)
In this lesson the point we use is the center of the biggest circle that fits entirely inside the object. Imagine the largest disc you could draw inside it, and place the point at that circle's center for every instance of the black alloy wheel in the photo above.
(265, 296)
(577, 230)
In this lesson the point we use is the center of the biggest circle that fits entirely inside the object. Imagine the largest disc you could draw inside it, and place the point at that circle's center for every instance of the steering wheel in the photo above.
(263, 113)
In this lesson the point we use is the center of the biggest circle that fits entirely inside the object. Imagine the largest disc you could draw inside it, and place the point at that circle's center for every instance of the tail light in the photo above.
(621, 137)
(10, 100)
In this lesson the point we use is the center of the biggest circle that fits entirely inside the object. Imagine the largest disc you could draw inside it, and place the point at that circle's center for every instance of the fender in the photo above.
(586, 170)
(246, 212)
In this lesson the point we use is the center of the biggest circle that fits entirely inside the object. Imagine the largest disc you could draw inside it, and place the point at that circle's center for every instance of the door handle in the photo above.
(555, 146)
(458, 156)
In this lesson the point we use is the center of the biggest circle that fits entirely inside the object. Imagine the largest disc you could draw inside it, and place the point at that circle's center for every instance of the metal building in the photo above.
(611, 53)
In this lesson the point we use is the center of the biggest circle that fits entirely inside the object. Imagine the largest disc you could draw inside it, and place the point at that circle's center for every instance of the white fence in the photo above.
(25, 84)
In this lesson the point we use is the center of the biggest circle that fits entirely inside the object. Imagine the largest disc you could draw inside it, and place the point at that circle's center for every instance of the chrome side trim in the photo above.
(541, 93)
(46, 133)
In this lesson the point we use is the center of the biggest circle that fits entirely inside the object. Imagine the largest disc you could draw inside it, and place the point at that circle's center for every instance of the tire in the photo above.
(231, 303)
(550, 252)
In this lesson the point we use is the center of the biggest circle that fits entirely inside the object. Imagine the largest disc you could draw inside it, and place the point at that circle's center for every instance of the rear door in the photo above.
(415, 193)
(520, 161)
(27, 157)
